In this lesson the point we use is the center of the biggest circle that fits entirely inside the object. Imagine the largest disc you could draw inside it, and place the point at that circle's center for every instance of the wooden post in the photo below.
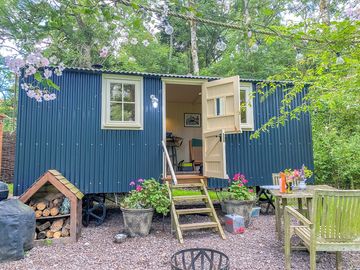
(2, 116)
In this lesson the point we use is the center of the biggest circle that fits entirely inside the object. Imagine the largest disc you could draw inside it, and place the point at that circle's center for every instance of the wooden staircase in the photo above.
(198, 183)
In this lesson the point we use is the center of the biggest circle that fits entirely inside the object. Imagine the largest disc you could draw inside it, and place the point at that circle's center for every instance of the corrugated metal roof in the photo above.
(149, 74)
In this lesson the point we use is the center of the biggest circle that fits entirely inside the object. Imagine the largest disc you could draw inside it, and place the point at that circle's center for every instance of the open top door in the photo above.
(221, 114)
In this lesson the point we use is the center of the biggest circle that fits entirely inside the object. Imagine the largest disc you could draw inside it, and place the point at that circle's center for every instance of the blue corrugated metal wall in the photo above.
(65, 134)
(287, 146)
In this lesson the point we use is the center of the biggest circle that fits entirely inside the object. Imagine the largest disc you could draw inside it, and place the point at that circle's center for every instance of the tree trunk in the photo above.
(194, 48)
(325, 11)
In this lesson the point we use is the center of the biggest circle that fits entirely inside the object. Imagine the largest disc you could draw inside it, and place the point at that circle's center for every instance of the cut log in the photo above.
(57, 234)
(41, 205)
(43, 226)
(65, 232)
(52, 196)
(38, 213)
(57, 225)
(41, 235)
(57, 202)
(67, 224)
(46, 212)
(49, 234)
(54, 211)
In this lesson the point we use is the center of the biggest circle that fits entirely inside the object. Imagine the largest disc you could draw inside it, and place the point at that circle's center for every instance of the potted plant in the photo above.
(240, 199)
(139, 205)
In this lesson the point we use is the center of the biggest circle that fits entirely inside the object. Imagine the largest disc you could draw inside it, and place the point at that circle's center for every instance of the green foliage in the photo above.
(148, 194)
(11, 189)
(7, 99)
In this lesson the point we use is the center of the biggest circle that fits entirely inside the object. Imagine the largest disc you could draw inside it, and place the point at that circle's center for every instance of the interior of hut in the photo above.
(184, 127)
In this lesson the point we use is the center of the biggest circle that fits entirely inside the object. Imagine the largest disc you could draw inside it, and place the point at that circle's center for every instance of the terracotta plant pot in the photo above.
(137, 222)
(241, 208)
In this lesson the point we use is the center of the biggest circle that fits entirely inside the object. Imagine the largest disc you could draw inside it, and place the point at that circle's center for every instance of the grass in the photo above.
(11, 189)
(186, 192)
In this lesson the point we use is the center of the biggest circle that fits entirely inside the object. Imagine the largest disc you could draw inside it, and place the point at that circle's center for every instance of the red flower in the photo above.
(138, 188)
(251, 190)
(240, 184)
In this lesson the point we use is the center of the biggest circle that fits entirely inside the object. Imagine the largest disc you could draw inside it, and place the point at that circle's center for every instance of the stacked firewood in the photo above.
(46, 209)
(53, 229)
(47, 206)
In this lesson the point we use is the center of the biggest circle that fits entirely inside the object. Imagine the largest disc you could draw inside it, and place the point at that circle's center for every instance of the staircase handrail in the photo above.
(172, 172)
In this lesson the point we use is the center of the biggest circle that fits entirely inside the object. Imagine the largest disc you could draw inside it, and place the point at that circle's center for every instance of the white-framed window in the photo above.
(246, 101)
(122, 102)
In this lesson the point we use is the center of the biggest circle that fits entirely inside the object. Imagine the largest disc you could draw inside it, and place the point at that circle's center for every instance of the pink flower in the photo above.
(139, 188)
(245, 181)
(132, 183)
(140, 180)
(240, 185)
(104, 52)
(236, 176)
(43, 62)
(251, 190)
(296, 173)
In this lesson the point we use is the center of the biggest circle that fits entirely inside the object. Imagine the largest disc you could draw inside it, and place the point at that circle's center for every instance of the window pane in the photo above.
(129, 112)
(115, 91)
(220, 106)
(129, 92)
(243, 106)
(115, 111)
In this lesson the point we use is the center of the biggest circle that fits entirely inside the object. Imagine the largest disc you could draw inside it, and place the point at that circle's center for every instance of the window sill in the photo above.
(114, 126)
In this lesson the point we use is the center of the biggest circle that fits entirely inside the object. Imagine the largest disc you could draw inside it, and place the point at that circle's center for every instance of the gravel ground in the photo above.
(257, 248)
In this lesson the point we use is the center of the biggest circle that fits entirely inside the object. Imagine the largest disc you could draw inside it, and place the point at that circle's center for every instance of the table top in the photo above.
(299, 193)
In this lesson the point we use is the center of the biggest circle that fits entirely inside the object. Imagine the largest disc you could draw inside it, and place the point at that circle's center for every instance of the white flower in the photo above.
(24, 86)
(57, 72)
(52, 96)
(46, 97)
(47, 73)
(134, 41)
(145, 42)
(31, 93)
(132, 59)
(61, 66)
(53, 59)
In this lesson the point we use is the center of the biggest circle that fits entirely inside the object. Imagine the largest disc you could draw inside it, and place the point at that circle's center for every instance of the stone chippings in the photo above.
(257, 248)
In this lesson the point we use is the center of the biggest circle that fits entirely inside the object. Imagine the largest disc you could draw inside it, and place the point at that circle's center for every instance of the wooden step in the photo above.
(189, 198)
(189, 185)
(193, 211)
(196, 226)
(185, 176)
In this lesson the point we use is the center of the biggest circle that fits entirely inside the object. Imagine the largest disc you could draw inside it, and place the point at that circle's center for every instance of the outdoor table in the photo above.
(306, 194)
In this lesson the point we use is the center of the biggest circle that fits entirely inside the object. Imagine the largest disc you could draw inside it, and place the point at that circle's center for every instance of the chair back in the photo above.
(195, 147)
(336, 215)
(276, 179)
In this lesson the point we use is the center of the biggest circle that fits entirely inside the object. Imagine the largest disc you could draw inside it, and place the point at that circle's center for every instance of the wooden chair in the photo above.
(334, 225)
(196, 156)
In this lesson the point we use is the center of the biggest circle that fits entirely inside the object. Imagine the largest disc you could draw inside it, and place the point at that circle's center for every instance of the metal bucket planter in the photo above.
(241, 208)
(137, 222)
